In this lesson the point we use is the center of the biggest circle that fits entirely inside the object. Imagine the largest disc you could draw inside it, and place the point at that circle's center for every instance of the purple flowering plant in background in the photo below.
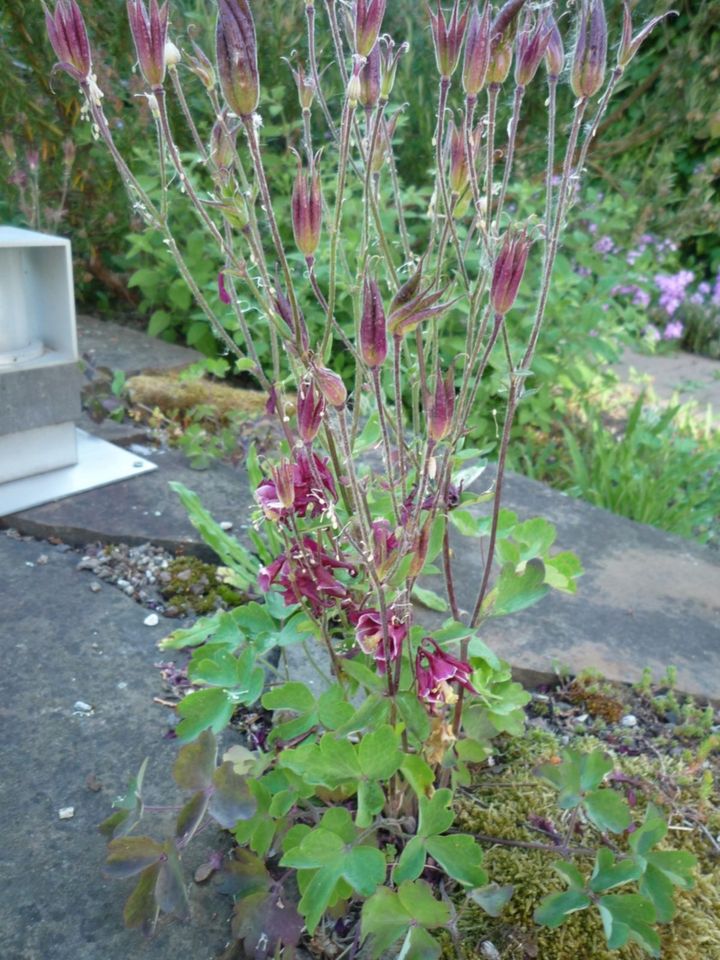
(350, 794)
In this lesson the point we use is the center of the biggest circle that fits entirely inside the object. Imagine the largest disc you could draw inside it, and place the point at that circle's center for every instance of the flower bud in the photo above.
(384, 547)
(236, 46)
(502, 32)
(69, 39)
(589, 58)
(508, 271)
(283, 478)
(310, 412)
(390, 58)
(149, 33)
(172, 54)
(532, 42)
(477, 51)
(630, 45)
(419, 550)
(373, 326)
(555, 52)
(370, 79)
(442, 406)
(330, 386)
(448, 37)
(222, 142)
(200, 64)
(305, 86)
(354, 89)
(368, 21)
(307, 209)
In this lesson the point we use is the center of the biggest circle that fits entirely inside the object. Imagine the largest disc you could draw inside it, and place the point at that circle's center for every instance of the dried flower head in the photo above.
(69, 39)
(149, 33)
(448, 37)
(590, 55)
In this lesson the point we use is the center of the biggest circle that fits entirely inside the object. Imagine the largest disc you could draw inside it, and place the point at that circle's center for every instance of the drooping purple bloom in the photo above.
(435, 671)
(69, 39)
(307, 573)
(369, 635)
(301, 488)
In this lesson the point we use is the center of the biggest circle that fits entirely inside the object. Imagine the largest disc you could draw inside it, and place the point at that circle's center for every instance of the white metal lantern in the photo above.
(41, 451)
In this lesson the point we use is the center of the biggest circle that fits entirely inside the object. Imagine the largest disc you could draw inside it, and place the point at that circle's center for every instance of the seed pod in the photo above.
(236, 46)
(69, 39)
(448, 37)
(390, 58)
(373, 326)
(305, 86)
(508, 271)
(222, 142)
(419, 551)
(630, 45)
(370, 79)
(442, 406)
(310, 412)
(477, 51)
(283, 478)
(149, 33)
(590, 56)
(330, 386)
(368, 21)
(200, 65)
(383, 143)
(555, 52)
(307, 209)
(502, 33)
(532, 42)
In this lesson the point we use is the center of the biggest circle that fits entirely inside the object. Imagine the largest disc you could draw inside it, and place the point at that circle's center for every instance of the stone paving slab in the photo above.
(687, 375)
(647, 598)
(143, 508)
(61, 644)
(119, 347)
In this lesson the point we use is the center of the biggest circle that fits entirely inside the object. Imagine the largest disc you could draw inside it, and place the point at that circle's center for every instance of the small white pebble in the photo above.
(226, 525)
(582, 718)
(95, 587)
(66, 813)
(629, 720)
(152, 620)
(42, 560)
(122, 685)
(81, 707)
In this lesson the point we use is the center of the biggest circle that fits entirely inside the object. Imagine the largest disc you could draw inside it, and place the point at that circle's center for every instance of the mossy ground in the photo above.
(195, 587)
(507, 798)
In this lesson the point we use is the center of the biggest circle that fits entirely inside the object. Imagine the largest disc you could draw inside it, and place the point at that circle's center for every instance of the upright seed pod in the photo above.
(69, 39)
(149, 33)
(477, 51)
(590, 56)
(448, 37)
(373, 326)
(236, 46)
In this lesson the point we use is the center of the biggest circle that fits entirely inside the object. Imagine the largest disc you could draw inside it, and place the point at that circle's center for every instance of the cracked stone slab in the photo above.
(66, 650)
(646, 599)
(120, 347)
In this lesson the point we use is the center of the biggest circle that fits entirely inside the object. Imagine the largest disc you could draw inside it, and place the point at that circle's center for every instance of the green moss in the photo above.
(194, 587)
(503, 811)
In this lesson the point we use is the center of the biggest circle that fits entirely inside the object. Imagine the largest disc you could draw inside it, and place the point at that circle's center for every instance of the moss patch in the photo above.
(194, 587)
(506, 799)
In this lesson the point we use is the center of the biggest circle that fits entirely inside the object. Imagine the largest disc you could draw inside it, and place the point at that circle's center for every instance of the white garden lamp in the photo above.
(43, 456)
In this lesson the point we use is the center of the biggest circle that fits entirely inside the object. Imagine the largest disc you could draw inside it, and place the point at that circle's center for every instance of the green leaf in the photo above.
(412, 861)
(435, 815)
(379, 754)
(414, 714)
(628, 916)
(594, 767)
(371, 800)
(317, 896)
(607, 810)
(373, 711)
(460, 857)
(130, 855)
(517, 591)
(290, 696)
(333, 709)
(677, 865)
(418, 773)
(170, 892)
(430, 599)
(492, 898)
(418, 900)
(553, 909)
(198, 633)
(419, 945)
(195, 762)
(570, 873)
(608, 874)
(364, 869)
(201, 710)
(318, 848)
(231, 799)
(651, 831)
(383, 921)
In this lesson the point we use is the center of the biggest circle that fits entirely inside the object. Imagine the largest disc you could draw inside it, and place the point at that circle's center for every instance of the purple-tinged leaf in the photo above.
(130, 855)
(231, 799)
(190, 817)
(244, 875)
(170, 893)
(195, 763)
(263, 922)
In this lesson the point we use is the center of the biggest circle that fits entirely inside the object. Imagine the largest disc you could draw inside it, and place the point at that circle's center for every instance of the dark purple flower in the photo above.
(306, 573)
(590, 56)
(448, 37)
(369, 635)
(236, 46)
(368, 21)
(69, 39)
(435, 671)
(508, 271)
(373, 326)
(307, 209)
(149, 32)
(310, 412)
(442, 406)
(477, 51)
(300, 488)
(370, 79)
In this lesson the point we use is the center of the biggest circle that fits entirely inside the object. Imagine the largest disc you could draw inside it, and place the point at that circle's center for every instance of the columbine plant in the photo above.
(347, 805)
